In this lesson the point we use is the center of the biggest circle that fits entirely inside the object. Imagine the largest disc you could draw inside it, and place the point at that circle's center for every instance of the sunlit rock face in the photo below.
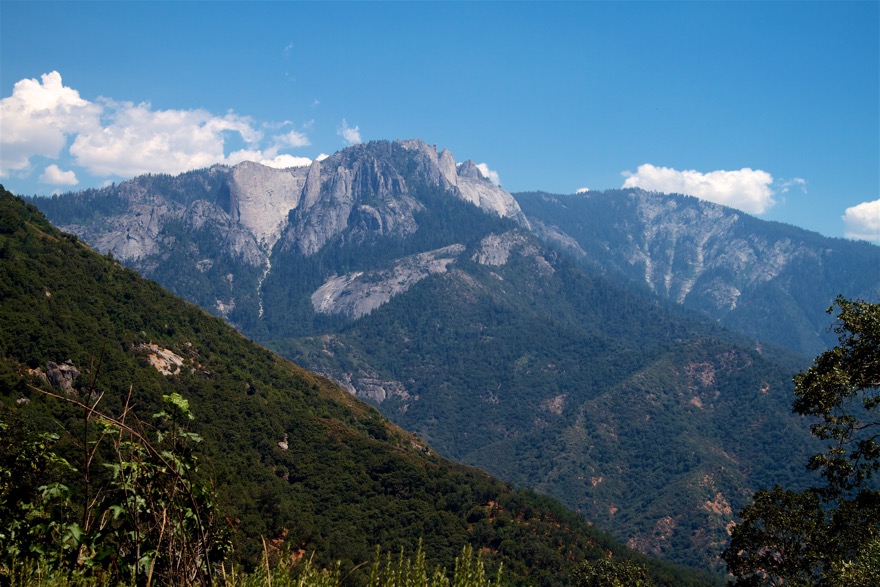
(262, 197)
(359, 293)
(373, 189)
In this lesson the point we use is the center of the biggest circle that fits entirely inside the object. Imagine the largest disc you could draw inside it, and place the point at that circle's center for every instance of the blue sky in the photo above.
(770, 107)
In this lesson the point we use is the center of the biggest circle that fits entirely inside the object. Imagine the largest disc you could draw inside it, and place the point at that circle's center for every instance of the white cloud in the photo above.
(351, 136)
(489, 174)
(321, 157)
(786, 184)
(38, 118)
(285, 161)
(142, 140)
(54, 175)
(292, 139)
(124, 139)
(746, 189)
(582, 190)
(863, 221)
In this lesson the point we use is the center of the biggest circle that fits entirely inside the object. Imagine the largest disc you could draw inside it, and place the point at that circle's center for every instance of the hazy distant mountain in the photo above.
(771, 281)
(418, 284)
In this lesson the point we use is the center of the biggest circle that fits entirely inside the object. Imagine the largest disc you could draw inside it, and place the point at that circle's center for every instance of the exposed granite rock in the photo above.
(362, 192)
(495, 250)
(134, 235)
(764, 279)
(369, 189)
(478, 190)
(448, 171)
(238, 241)
(359, 293)
(369, 385)
(681, 241)
(165, 361)
(261, 198)
(357, 194)
(62, 376)
(553, 234)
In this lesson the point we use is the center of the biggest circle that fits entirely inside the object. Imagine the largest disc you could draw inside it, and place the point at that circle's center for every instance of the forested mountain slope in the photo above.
(768, 280)
(296, 459)
(420, 286)
(651, 424)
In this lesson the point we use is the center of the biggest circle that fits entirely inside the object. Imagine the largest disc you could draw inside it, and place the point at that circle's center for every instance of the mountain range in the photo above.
(770, 281)
(599, 348)
(300, 467)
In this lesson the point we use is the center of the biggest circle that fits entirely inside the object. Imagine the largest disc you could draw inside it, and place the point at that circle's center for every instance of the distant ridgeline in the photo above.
(768, 280)
(297, 460)
(560, 342)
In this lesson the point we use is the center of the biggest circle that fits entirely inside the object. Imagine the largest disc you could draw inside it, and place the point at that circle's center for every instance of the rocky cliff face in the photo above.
(262, 197)
(372, 189)
(359, 293)
(220, 226)
(696, 250)
(368, 189)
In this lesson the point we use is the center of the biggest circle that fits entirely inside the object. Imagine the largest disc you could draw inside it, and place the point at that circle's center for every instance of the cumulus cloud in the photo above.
(489, 174)
(139, 140)
(123, 138)
(37, 119)
(351, 136)
(54, 175)
(582, 190)
(745, 189)
(862, 222)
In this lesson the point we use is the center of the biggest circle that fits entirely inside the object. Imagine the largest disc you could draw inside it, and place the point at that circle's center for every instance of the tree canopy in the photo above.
(826, 535)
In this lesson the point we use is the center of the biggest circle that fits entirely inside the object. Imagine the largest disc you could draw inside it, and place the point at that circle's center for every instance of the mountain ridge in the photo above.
(297, 460)
(551, 369)
(753, 276)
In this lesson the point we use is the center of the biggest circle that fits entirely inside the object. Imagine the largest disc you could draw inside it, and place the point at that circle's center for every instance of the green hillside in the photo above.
(296, 460)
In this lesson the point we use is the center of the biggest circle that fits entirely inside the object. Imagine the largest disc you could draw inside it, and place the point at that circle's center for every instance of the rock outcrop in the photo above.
(481, 192)
(359, 293)
(63, 376)
(372, 189)
(261, 198)
(165, 361)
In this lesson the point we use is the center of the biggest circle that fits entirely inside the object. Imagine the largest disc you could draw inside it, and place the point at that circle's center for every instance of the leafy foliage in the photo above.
(827, 535)
(152, 519)
(610, 573)
(842, 389)
(793, 526)
(413, 571)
